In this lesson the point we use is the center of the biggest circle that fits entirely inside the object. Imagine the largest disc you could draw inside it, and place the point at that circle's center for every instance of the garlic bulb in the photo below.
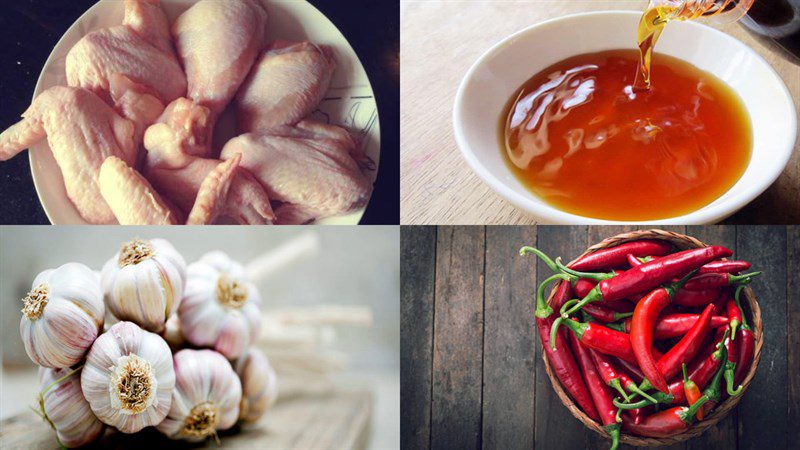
(128, 378)
(259, 385)
(62, 316)
(143, 282)
(206, 398)
(65, 409)
(220, 306)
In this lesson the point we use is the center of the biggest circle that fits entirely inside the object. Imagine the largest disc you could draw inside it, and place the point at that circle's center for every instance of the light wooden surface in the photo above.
(440, 40)
(338, 420)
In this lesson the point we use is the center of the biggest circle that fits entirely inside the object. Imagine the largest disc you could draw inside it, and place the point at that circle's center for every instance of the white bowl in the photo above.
(497, 75)
(350, 101)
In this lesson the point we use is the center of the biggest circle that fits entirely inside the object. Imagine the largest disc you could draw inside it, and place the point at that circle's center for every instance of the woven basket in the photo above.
(751, 311)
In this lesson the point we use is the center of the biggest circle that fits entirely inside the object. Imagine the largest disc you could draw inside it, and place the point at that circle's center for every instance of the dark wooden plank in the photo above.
(508, 350)
(458, 338)
(417, 270)
(793, 330)
(555, 427)
(763, 422)
(722, 435)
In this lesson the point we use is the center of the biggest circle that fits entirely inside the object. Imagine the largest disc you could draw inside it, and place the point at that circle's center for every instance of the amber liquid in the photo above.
(583, 140)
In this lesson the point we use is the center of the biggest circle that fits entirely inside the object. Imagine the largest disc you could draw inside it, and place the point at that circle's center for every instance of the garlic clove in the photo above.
(259, 385)
(128, 378)
(62, 315)
(206, 397)
(220, 307)
(143, 283)
(65, 409)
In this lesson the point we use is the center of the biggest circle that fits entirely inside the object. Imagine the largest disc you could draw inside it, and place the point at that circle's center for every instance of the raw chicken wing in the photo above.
(140, 49)
(309, 168)
(82, 131)
(218, 41)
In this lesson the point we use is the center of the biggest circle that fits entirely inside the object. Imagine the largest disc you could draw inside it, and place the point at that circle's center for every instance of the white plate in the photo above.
(502, 70)
(350, 101)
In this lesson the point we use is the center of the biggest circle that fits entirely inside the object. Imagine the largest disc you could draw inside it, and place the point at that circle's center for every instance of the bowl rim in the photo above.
(546, 213)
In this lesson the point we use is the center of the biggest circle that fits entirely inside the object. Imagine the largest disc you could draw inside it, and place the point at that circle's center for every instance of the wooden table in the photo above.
(440, 41)
(338, 420)
(472, 373)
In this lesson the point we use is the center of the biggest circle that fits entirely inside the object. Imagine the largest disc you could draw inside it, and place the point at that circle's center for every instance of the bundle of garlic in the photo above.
(128, 378)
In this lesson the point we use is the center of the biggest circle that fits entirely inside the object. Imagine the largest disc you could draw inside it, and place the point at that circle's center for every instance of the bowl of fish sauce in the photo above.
(556, 119)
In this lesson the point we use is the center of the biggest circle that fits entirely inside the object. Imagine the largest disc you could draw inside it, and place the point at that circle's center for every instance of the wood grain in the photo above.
(487, 365)
(508, 356)
(418, 266)
(458, 338)
(437, 48)
(339, 420)
(765, 246)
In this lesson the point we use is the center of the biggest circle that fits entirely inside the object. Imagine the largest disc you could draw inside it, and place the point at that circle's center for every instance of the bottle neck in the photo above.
(715, 11)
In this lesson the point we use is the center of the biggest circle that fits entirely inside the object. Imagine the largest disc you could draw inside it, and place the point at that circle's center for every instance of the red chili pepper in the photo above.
(634, 261)
(645, 277)
(631, 368)
(603, 339)
(734, 316)
(721, 266)
(608, 372)
(724, 267)
(638, 415)
(601, 393)
(713, 280)
(695, 298)
(692, 392)
(604, 314)
(730, 365)
(642, 326)
(583, 286)
(611, 257)
(747, 344)
(561, 359)
(721, 302)
(687, 347)
(672, 325)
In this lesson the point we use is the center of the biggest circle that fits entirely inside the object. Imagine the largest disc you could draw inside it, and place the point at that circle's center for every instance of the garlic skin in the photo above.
(220, 307)
(143, 282)
(172, 333)
(66, 409)
(206, 398)
(62, 315)
(259, 385)
(128, 378)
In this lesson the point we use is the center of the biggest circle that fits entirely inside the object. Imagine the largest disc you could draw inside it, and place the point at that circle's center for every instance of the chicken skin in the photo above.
(132, 199)
(284, 86)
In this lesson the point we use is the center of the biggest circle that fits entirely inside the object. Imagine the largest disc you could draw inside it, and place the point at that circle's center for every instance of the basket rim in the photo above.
(722, 410)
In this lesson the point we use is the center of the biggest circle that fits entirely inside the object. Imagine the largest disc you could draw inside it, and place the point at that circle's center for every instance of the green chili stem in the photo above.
(729, 371)
(546, 259)
(616, 385)
(597, 276)
(739, 289)
(543, 309)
